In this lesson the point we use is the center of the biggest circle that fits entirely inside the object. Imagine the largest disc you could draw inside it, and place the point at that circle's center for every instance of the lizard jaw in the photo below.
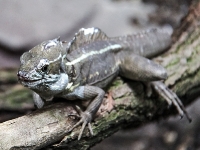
(26, 81)
(30, 83)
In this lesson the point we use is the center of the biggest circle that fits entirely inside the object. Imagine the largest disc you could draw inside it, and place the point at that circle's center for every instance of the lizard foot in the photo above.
(170, 97)
(85, 119)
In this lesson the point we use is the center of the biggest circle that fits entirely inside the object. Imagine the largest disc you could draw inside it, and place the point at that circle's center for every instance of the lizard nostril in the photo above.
(22, 75)
(19, 73)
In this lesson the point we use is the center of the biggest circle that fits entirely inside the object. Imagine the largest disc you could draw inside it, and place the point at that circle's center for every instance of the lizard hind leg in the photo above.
(170, 97)
(139, 68)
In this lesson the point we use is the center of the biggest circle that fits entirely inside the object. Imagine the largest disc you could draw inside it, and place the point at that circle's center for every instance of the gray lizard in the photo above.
(90, 62)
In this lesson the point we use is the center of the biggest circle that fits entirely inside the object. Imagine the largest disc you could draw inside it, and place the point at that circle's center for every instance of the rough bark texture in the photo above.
(125, 104)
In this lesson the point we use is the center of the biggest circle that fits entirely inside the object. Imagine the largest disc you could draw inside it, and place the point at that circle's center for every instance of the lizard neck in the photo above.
(71, 70)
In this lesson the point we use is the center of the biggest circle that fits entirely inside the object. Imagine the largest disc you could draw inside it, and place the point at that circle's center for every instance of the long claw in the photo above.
(183, 108)
(90, 128)
(81, 131)
(171, 98)
(85, 120)
(76, 125)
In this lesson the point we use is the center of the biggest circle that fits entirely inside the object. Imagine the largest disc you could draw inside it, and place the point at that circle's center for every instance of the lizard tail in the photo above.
(149, 43)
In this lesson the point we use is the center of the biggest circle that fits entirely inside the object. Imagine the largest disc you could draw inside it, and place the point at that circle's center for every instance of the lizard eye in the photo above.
(45, 68)
(43, 65)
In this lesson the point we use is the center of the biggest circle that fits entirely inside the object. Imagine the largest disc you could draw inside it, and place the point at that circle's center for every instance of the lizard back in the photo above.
(95, 57)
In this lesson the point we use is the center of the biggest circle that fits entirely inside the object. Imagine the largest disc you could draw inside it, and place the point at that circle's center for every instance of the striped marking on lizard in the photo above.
(84, 56)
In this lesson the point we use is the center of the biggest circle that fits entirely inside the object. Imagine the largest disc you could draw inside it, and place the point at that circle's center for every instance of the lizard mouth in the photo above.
(32, 82)
(23, 77)
(29, 83)
(28, 80)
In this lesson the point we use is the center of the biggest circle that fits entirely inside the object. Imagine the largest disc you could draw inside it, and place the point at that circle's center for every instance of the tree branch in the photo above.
(125, 104)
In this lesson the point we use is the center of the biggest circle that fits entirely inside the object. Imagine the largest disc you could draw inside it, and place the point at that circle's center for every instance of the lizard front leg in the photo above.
(142, 69)
(38, 101)
(53, 89)
(87, 92)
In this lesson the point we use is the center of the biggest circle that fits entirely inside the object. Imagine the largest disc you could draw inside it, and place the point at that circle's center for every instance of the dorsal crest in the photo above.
(86, 36)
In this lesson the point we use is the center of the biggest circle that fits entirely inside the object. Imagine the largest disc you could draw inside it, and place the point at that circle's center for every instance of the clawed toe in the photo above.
(171, 98)
(86, 118)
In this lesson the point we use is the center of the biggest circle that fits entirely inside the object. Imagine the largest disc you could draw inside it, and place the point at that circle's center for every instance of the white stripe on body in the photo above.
(84, 56)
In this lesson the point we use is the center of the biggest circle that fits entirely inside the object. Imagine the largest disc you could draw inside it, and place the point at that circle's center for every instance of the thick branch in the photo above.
(131, 107)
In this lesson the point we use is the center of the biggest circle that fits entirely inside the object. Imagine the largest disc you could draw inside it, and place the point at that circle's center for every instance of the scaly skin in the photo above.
(90, 62)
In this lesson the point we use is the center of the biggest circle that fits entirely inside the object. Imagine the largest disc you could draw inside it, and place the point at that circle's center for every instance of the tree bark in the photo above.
(124, 105)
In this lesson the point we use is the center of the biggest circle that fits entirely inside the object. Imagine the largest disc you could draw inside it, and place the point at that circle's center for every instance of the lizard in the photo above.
(89, 62)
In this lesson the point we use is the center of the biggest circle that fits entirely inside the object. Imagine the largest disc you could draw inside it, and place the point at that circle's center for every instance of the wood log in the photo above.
(124, 105)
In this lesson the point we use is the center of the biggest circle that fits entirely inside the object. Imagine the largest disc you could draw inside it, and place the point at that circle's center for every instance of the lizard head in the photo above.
(42, 65)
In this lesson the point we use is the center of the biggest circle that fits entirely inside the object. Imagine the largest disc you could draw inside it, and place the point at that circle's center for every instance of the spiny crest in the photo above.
(86, 36)
(51, 43)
